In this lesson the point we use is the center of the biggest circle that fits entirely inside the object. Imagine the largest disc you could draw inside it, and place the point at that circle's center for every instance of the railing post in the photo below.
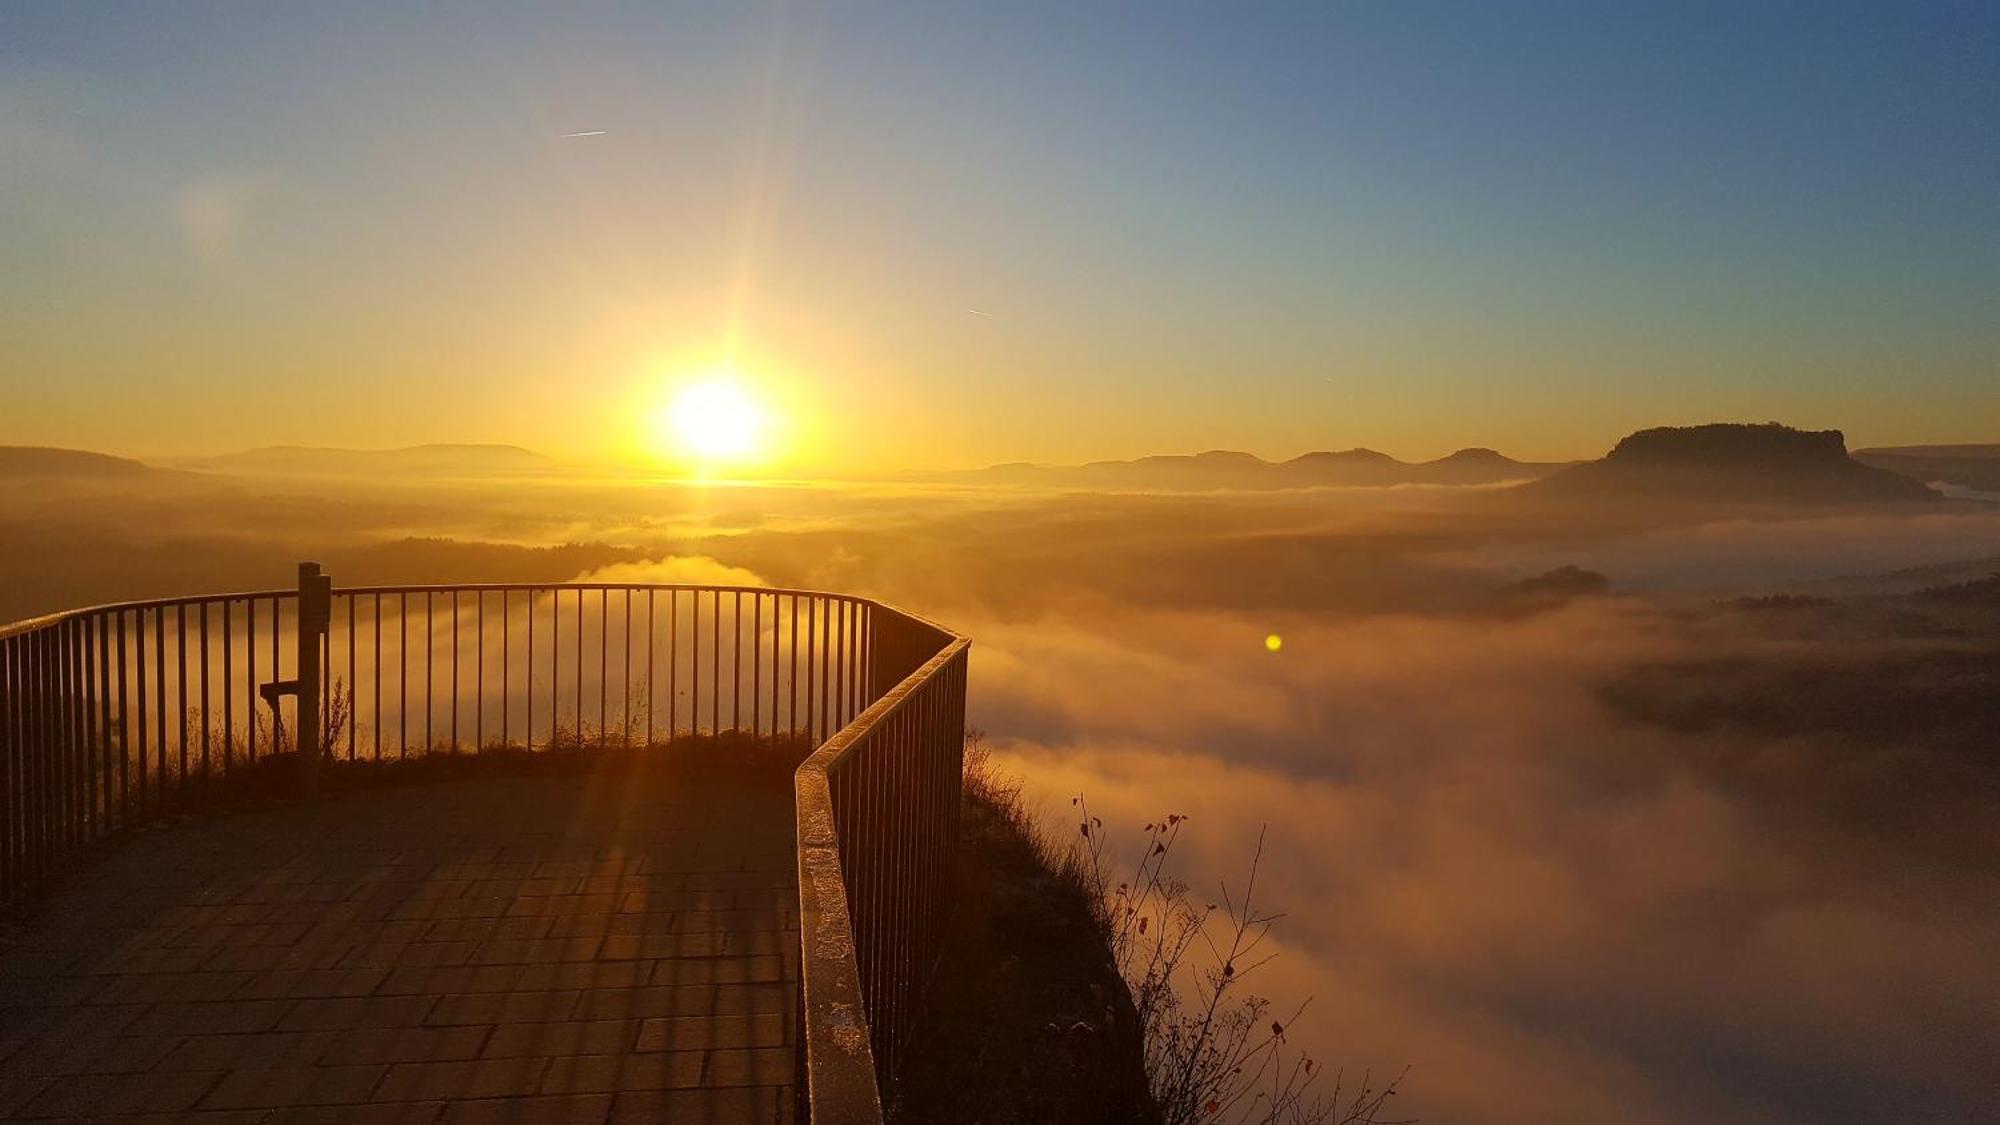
(314, 615)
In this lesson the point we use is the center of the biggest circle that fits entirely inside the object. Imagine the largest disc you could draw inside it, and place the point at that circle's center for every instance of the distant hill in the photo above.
(1732, 463)
(1220, 469)
(41, 461)
(1969, 466)
(416, 460)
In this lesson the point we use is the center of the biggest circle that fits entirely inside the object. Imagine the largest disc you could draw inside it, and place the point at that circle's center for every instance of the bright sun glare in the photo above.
(715, 421)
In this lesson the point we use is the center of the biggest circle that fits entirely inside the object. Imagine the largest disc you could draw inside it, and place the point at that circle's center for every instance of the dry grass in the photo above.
(1026, 1021)
(1214, 1051)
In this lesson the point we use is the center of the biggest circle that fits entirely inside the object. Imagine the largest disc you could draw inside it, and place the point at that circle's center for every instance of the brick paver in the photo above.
(608, 947)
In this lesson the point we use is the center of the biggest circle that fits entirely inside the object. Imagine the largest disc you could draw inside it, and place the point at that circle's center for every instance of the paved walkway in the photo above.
(554, 948)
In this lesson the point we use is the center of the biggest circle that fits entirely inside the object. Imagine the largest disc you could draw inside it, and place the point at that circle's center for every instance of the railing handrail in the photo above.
(841, 742)
(30, 624)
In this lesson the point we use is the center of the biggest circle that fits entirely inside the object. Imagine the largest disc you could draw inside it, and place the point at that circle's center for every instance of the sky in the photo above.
(949, 235)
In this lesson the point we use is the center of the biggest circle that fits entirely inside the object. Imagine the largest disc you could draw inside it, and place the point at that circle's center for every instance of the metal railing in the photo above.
(878, 809)
(116, 715)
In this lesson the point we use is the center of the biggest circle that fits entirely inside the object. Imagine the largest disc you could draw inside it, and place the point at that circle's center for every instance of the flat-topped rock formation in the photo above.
(1732, 463)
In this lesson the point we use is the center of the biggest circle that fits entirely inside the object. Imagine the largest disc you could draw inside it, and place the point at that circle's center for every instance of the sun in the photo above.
(714, 421)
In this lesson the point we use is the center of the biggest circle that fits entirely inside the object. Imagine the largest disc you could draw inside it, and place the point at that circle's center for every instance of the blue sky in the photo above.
(1411, 226)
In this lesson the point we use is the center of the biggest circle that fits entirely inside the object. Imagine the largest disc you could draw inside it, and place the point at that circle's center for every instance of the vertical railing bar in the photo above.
(812, 724)
(125, 728)
(13, 653)
(736, 662)
(201, 668)
(87, 691)
(145, 716)
(39, 787)
(826, 656)
(579, 670)
(353, 680)
(228, 698)
(325, 740)
(19, 721)
(756, 663)
(694, 662)
(78, 764)
(457, 642)
(825, 650)
(48, 740)
(59, 741)
(774, 665)
(29, 755)
(376, 737)
(83, 767)
(34, 753)
(402, 674)
(37, 744)
(105, 772)
(249, 678)
(10, 786)
(63, 701)
(58, 768)
(506, 661)
(478, 671)
(652, 643)
(555, 665)
(715, 663)
(673, 664)
(20, 791)
(63, 639)
(13, 728)
(894, 768)
(603, 663)
(46, 748)
(529, 684)
(883, 756)
(34, 742)
(430, 676)
(277, 673)
(181, 686)
(625, 688)
(792, 678)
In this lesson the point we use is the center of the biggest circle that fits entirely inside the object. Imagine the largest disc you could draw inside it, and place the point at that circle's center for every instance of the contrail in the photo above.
(587, 133)
(976, 312)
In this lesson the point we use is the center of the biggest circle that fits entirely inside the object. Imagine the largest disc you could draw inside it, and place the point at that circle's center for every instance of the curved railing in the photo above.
(115, 715)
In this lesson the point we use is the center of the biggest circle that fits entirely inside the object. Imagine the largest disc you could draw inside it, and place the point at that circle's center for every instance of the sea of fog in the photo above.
(1496, 870)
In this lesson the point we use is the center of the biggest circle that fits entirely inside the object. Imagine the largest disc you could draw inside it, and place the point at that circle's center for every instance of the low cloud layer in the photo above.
(1549, 912)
